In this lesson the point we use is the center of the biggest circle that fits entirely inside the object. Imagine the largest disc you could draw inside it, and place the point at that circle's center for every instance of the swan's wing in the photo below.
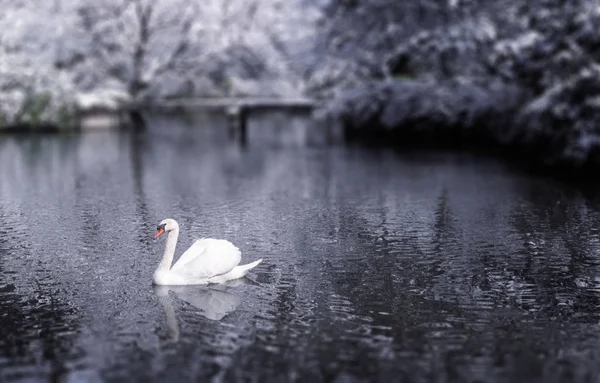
(194, 251)
(208, 257)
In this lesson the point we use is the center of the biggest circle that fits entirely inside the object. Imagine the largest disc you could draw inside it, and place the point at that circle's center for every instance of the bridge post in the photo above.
(243, 124)
(232, 117)
(238, 120)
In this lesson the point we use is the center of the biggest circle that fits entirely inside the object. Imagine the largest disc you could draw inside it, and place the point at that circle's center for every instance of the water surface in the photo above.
(377, 266)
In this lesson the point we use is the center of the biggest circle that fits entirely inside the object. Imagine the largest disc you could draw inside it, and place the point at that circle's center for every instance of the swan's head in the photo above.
(164, 226)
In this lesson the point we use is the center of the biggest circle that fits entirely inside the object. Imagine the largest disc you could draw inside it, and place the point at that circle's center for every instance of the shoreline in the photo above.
(44, 128)
(495, 118)
(484, 133)
(516, 159)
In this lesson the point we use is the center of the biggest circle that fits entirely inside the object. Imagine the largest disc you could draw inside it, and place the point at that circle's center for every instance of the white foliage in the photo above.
(242, 46)
(152, 48)
(28, 47)
(110, 99)
(266, 39)
(522, 42)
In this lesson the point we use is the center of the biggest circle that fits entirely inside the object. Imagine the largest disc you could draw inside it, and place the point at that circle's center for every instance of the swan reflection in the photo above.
(212, 303)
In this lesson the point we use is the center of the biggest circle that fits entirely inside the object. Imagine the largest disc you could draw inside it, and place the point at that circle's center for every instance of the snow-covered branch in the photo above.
(153, 48)
(136, 41)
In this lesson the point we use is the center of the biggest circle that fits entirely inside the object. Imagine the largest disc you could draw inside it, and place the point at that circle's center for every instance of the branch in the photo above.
(179, 51)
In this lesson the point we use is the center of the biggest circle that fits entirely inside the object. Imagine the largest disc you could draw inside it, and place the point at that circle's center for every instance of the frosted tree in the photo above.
(162, 48)
(136, 42)
(252, 47)
(33, 87)
(356, 36)
(149, 50)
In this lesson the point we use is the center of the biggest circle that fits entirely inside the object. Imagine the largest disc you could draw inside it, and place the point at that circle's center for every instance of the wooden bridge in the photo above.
(238, 108)
(240, 102)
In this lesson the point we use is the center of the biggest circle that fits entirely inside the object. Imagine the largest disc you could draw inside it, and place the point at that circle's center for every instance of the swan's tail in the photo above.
(236, 273)
(243, 269)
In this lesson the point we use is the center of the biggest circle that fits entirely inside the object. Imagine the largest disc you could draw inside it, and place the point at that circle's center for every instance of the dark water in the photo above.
(377, 266)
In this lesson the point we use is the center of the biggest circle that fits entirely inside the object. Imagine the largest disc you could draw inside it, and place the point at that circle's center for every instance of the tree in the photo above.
(356, 35)
(161, 48)
(152, 49)
(135, 42)
(29, 47)
(253, 47)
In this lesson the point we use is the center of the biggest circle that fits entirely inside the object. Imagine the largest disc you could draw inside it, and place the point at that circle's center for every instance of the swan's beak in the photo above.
(159, 232)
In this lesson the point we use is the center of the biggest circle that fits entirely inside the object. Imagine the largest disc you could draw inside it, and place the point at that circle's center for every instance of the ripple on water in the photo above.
(376, 266)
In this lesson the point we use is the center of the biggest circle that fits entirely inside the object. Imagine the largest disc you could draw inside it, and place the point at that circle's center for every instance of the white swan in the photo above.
(206, 261)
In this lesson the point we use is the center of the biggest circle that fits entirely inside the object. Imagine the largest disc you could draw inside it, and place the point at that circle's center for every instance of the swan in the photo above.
(207, 261)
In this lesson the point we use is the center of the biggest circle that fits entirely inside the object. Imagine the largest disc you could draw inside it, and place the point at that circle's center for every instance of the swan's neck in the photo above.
(167, 259)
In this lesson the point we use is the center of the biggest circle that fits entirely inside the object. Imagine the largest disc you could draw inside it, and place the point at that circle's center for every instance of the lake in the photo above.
(378, 266)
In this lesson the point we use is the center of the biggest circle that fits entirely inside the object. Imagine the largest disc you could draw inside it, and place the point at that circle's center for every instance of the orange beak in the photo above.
(159, 232)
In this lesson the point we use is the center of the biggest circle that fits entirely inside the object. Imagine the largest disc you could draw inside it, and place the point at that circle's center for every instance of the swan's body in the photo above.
(206, 261)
